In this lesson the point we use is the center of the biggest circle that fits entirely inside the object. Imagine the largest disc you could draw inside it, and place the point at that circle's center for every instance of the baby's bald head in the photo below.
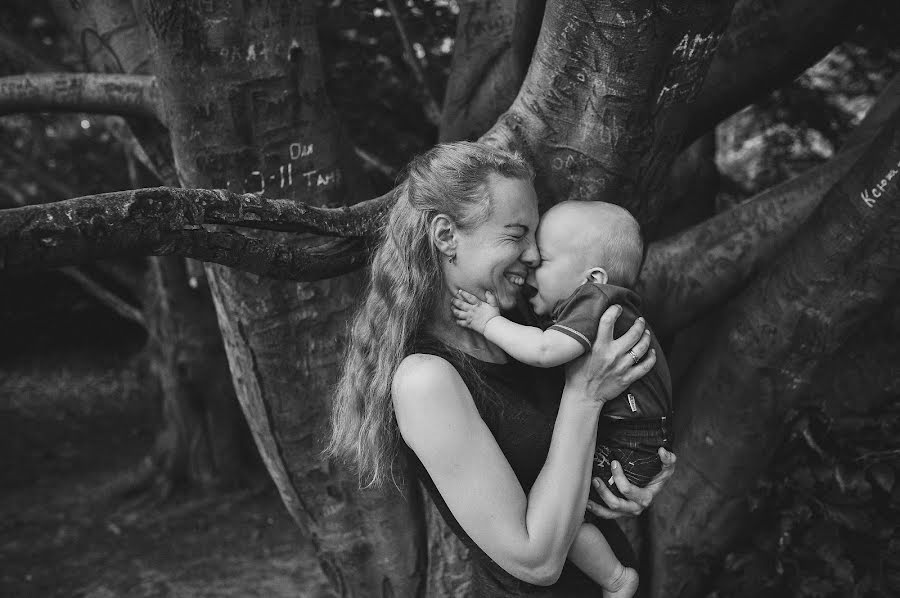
(603, 234)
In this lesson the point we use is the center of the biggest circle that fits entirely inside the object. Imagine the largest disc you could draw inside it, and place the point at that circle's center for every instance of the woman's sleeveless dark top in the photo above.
(513, 402)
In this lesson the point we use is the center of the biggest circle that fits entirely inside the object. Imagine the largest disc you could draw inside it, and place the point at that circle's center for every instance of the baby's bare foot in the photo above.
(623, 585)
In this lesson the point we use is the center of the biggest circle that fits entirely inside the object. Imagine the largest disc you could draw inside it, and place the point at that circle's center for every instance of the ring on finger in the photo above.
(634, 357)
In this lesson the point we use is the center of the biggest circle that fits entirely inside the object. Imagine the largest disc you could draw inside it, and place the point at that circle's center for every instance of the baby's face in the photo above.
(562, 268)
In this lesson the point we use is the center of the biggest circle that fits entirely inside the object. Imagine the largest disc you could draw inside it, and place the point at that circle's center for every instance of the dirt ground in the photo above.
(73, 422)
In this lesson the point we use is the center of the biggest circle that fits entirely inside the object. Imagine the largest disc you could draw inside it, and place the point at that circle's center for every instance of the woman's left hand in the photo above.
(636, 498)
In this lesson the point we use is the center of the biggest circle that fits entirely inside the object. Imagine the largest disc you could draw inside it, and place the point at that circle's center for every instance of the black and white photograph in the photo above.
(449, 298)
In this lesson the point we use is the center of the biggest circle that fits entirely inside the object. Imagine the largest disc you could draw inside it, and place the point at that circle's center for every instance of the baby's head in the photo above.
(580, 241)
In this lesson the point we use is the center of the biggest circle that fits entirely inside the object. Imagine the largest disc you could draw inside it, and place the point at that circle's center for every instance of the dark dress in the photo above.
(518, 403)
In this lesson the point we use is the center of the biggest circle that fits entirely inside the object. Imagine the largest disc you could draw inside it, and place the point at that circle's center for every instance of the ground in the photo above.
(73, 424)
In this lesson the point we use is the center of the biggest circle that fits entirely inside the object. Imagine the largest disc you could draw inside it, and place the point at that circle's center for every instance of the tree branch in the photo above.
(152, 133)
(375, 162)
(127, 95)
(762, 51)
(165, 221)
(686, 275)
(432, 110)
(110, 40)
(86, 282)
(104, 296)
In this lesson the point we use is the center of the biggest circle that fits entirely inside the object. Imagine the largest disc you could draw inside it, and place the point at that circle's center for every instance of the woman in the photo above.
(507, 469)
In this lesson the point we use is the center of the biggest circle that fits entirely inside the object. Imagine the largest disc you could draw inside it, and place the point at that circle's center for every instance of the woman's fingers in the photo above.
(668, 458)
(641, 369)
(668, 468)
(641, 496)
(631, 337)
(617, 505)
(607, 323)
(640, 349)
(636, 498)
(602, 512)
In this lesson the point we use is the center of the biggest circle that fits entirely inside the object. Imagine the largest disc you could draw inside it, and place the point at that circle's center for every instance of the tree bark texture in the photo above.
(687, 274)
(602, 110)
(166, 221)
(128, 95)
(492, 51)
(840, 266)
(243, 94)
(111, 41)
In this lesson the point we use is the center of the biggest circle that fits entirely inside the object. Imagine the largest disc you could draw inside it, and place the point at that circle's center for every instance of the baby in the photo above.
(591, 253)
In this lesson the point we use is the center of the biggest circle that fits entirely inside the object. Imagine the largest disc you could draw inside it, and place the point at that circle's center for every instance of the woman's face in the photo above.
(496, 254)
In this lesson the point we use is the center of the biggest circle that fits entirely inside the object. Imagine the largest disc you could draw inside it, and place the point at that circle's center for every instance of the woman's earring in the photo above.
(452, 259)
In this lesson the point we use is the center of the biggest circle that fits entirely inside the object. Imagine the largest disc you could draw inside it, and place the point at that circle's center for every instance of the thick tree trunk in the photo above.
(492, 51)
(243, 92)
(603, 108)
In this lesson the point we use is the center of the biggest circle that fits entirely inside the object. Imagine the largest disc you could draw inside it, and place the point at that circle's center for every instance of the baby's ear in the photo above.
(597, 275)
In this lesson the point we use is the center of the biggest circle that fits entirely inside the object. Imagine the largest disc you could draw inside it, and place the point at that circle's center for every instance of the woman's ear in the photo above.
(443, 234)
(597, 275)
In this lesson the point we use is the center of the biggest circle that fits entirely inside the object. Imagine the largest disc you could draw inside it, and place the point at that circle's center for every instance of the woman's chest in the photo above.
(521, 415)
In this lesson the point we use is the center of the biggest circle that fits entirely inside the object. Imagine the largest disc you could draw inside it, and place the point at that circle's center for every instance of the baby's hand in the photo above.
(472, 312)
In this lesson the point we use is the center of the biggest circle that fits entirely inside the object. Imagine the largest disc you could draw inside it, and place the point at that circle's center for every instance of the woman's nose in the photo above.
(531, 257)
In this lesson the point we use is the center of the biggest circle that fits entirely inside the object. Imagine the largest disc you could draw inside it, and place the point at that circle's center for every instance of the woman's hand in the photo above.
(613, 364)
(636, 498)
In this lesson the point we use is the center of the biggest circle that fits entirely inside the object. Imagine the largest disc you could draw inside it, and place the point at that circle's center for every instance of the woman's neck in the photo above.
(443, 327)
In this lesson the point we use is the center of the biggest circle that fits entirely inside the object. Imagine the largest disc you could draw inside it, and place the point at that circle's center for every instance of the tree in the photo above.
(603, 96)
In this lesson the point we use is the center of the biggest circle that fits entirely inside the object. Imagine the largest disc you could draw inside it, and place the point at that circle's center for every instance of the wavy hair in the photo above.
(405, 280)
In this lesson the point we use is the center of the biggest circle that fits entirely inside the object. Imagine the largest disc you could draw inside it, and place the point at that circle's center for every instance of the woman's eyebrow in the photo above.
(522, 226)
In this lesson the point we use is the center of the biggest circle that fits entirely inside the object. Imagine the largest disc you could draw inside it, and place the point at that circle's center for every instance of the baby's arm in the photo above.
(591, 553)
(540, 348)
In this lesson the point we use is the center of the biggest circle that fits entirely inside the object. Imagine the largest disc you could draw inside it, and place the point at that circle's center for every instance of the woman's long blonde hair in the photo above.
(404, 282)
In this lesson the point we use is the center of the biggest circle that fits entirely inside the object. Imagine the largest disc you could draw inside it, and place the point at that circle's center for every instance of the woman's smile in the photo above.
(496, 254)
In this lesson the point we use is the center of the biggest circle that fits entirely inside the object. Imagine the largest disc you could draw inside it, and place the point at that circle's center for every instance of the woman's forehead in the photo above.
(514, 202)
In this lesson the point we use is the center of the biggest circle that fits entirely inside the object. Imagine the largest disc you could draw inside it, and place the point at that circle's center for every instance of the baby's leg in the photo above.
(592, 554)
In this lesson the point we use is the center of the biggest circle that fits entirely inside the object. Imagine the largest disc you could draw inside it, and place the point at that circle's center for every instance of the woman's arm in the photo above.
(528, 536)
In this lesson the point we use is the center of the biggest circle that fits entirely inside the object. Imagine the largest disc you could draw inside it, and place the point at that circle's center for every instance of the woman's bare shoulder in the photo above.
(422, 373)
(428, 387)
